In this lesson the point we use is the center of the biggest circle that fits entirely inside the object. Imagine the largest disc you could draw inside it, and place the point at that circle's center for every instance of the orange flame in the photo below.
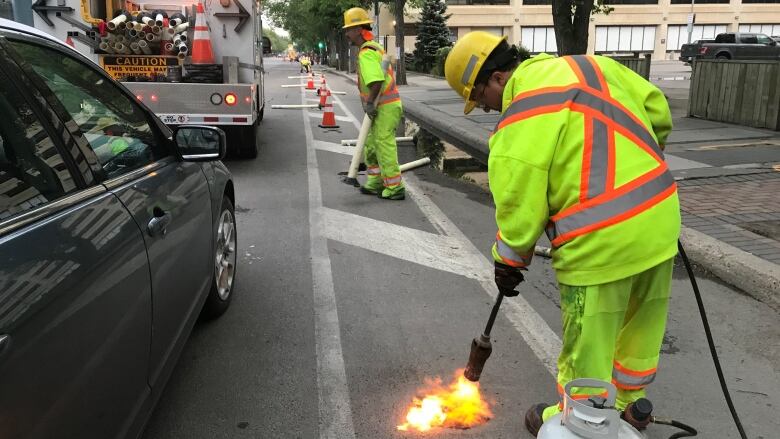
(458, 406)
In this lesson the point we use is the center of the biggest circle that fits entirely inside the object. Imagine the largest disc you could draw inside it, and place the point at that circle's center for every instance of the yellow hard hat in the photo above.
(356, 17)
(465, 61)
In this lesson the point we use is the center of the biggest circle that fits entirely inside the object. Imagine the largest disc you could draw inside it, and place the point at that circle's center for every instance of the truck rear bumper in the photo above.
(207, 119)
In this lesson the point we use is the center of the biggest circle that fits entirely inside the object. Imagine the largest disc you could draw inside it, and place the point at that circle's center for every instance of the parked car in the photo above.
(116, 234)
(738, 45)
(690, 51)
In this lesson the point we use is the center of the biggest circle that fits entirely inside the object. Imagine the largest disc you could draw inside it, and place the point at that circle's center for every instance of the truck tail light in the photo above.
(703, 51)
(231, 99)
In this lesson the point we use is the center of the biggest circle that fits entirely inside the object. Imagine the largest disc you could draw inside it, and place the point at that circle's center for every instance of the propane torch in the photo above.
(481, 346)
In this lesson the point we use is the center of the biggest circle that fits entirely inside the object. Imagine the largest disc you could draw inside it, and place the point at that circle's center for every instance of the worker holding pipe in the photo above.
(577, 153)
(382, 103)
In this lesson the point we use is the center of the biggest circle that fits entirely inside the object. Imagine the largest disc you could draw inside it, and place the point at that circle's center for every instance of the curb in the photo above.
(757, 277)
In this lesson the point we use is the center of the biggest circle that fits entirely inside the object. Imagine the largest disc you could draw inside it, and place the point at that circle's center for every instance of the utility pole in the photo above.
(691, 21)
(376, 20)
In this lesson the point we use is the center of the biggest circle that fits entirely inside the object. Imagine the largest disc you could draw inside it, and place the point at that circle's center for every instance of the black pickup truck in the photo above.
(734, 45)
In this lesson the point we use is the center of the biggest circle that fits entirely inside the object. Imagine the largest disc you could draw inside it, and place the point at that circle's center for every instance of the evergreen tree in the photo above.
(432, 34)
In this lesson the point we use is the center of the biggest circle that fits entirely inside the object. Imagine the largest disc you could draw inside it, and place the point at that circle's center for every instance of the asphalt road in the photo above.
(344, 304)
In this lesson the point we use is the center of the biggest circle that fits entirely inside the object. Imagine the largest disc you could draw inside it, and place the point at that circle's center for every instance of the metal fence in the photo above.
(641, 65)
(740, 92)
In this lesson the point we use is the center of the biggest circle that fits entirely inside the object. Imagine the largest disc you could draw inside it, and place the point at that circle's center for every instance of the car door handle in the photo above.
(158, 225)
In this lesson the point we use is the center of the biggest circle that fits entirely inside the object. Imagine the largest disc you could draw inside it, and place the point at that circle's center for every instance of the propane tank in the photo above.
(592, 419)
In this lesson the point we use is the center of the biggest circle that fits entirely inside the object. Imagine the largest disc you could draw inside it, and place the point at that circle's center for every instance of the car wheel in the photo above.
(722, 58)
(225, 254)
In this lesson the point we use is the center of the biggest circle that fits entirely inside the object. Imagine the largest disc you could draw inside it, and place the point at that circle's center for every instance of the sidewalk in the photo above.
(731, 217)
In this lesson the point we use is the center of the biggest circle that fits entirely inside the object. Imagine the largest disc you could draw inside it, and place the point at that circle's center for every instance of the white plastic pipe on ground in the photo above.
(397, 139)
(415, 164)
(293, 85)
(294, 106)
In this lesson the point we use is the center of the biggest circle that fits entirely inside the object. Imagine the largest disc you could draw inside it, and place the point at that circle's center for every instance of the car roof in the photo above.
(22, 28)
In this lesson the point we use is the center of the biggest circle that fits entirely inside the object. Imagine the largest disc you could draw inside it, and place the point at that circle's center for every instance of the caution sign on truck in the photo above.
(122, 66)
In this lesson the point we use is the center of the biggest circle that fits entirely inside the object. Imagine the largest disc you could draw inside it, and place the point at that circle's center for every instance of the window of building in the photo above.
(539, 39)
(32, 171)
(115, 126)
(497, 31)
(632, 2)
(766, 29)
(677, 35)
(476, 2)
(625, 39)
(760, 1)
(537, 2)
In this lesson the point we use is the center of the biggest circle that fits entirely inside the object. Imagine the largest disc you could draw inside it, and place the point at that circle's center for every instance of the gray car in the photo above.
(116, 234)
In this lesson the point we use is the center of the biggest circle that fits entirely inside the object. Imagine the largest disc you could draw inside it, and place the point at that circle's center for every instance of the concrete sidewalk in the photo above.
(730, 219)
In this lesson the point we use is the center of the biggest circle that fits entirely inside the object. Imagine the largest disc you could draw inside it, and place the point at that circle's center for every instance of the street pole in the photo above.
(376, 20)
(691, 21)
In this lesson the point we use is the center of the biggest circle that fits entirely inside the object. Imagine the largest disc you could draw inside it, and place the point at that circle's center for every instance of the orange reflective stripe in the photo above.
(509, 256)
(393, 181)
(373, 170)
(577, 396)
(629, 379)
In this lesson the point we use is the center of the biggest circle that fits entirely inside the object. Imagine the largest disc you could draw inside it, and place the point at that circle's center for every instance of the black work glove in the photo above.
(507, 279)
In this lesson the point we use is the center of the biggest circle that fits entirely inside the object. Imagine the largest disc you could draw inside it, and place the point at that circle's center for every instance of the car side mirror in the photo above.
(198, 143)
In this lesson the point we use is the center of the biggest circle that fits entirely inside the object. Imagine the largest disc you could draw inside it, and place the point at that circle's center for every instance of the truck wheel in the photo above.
(247, 147)
(225, 255)
(722, 58)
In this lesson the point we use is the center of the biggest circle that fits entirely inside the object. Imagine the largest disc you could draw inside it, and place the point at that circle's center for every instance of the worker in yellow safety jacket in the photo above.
(382, 103)
(577, 154)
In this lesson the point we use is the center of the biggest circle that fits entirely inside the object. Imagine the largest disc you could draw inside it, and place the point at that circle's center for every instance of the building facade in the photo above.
(658, 27)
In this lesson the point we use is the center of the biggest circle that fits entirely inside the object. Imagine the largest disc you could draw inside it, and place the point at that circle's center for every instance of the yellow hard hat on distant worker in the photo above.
(465, 61)
(356, 17)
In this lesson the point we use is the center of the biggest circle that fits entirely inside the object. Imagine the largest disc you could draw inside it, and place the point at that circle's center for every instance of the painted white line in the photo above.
(542, 340)
(423, 248)
(677, 163)
(333, 147)
(335, 412)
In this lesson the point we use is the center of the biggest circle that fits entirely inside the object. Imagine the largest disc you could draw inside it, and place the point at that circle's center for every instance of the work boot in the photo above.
(389, 194)
(533, 418)
(370, 191)
(638, 413)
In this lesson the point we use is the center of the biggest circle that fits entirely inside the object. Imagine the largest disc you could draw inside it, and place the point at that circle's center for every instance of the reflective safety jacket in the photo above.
(578, 154)
(369, 70)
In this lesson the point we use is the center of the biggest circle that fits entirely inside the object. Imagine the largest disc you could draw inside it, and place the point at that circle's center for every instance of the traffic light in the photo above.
(321, 45)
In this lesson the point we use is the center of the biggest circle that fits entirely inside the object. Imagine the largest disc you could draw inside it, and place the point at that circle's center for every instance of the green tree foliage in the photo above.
(432, 34)
(571, 19)
(278, 42)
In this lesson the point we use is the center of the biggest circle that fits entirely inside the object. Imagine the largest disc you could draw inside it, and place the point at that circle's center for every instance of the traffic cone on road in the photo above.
(324, 93)
(310, 83)
(202, 52)
(328, 117)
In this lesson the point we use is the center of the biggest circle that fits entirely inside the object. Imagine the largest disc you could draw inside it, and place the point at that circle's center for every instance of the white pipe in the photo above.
(158, 20)
(543, 251)
(112, 25)
(350, 142)
(294, 106)
(106, 48)
(299, 77)
(415, 164)
(156, 30)
(181, 28)
(175, 22)
(293, 85)
(121, 48)
(167, 34)
(181, 37)
(134, 47)
(182, 48)
(181, 56)
(138, 26)
(141, 36)
(146, 19)
(338, 92)
(144, 46)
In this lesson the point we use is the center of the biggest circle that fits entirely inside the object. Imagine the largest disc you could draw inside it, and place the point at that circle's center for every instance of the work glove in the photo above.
(370, 110)
(508, 278)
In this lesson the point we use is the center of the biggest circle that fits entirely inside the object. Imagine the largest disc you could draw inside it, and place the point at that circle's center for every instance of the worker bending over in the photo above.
(577, 154)
(381, 152)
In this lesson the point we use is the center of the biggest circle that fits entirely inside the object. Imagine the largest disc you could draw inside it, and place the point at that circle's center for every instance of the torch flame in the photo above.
(458, 406)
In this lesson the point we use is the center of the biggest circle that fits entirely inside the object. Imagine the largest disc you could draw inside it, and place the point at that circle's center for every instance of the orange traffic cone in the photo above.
(328, 117)
(202, 53)
(310, 83)
(324, 93)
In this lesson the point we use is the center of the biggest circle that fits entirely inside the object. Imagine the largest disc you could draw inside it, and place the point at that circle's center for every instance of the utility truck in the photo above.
(149, 46)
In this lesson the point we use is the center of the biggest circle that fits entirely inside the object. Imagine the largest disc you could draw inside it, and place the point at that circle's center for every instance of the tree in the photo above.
(432, 34)
(571, 19)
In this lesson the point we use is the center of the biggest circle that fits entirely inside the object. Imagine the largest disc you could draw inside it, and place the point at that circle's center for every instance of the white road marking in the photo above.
(333, 147)
(335, 411)
(542, 340)
(677, 163)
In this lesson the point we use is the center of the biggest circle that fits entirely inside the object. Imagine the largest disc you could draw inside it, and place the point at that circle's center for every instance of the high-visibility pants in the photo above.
(381, 152)
(613, 332)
